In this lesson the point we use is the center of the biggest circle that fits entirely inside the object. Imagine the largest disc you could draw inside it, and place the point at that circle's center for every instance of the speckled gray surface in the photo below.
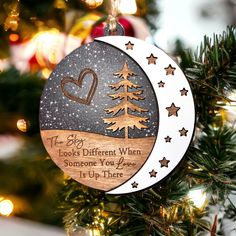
(59, 112)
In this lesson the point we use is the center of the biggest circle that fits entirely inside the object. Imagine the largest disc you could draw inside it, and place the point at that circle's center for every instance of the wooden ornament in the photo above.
(117, 118)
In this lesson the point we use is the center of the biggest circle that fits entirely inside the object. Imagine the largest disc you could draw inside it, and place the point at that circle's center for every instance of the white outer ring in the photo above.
(168, 126)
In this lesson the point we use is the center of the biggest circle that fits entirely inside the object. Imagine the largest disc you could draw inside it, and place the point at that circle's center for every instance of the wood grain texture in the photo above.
(95, 160)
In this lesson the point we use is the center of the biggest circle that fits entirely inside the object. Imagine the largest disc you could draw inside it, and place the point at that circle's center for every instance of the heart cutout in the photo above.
(79, 82)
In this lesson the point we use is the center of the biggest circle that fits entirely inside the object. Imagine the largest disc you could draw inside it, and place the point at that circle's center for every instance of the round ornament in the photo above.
(117, 114)
(22, 125)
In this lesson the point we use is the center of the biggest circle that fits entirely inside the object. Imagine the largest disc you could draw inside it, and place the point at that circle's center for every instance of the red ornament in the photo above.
(128, 27)
(98, 30)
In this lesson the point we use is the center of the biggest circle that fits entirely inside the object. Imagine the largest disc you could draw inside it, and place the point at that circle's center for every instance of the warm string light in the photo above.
(100, 219)
(124, 6)
(172, 213)
(47, 54)
(128, 8)
(22, 125)
(198, 197)
(14, 37)
(94, 232)
(81, 231)
(93, 3)
(229, 109)
(84, 231)
(59, 4)
(6, 207)
(97, 224)
(46, 73)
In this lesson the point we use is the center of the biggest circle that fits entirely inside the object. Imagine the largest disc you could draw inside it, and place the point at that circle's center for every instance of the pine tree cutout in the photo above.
(125, 120)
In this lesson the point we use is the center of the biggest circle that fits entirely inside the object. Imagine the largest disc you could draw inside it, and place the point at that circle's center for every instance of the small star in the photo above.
(164, 162)
(183, 132)
(134, 185)
(170, 70)
(168, 139)
(151, 59)
(161, 84)
(153, 173)
(129, 45)
(183, 92)
(172, 110)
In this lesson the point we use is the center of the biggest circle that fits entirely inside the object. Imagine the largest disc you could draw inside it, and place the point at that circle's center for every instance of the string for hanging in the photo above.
(113, 26)
(113, 13)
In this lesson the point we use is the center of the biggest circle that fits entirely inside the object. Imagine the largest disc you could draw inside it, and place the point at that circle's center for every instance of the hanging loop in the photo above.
(113, 27)
(119, 30)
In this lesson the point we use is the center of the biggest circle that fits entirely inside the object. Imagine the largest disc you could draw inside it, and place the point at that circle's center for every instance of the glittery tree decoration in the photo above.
(12, 19)
(126, 120)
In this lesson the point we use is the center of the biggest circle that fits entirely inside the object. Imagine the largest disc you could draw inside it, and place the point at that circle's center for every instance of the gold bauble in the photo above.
(93, 3)
(22, 125)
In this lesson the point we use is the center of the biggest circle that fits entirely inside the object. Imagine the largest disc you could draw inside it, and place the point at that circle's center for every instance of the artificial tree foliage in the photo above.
(210, 163)
(164, 209)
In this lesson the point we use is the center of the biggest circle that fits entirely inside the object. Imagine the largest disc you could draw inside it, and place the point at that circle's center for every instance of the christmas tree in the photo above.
(126, 120)
(32, 181)
(208, 170)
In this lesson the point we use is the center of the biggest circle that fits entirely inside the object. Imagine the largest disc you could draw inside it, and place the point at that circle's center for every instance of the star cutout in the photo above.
(129, 45)
(153, 173)
(183, 92)
(161, 84)
(134, 185)
(183, 132)
(170, 70)
(151, 59)
(168, 139)
(164, 162)
(172, 110)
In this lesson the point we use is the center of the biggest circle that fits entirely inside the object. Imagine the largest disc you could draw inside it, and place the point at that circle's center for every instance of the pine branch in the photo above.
(126, 120)
(125, 105)
(130, 95)
(123, 83)
(213, 162)
(212, 73)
